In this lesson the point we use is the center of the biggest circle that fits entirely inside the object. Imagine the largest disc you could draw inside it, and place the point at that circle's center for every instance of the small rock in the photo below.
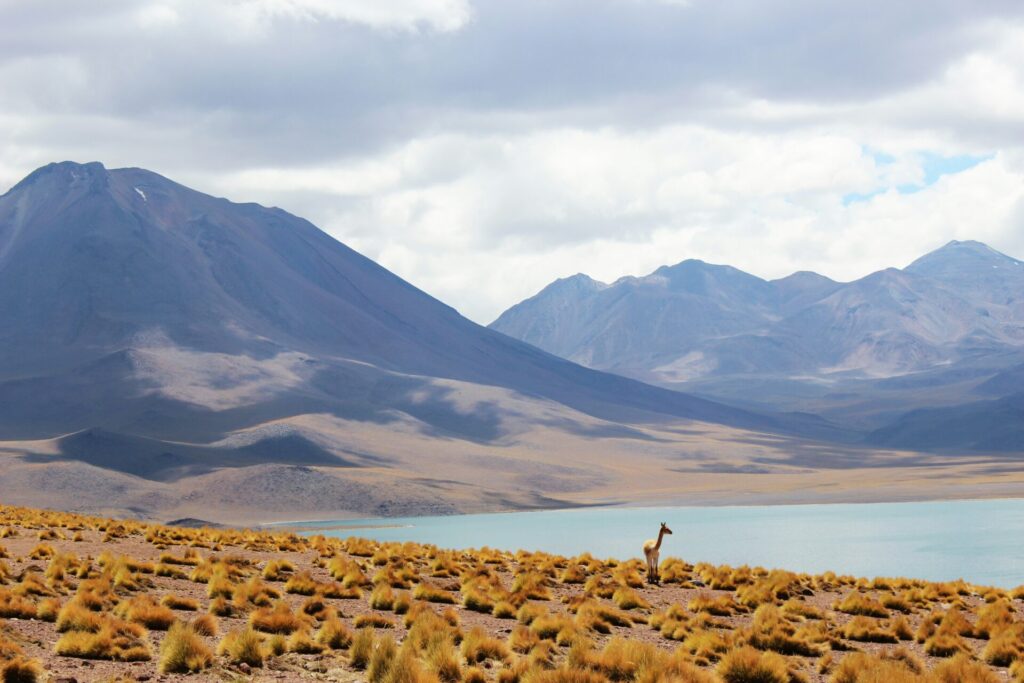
(66, 679)
(143, 677)
(244, 668)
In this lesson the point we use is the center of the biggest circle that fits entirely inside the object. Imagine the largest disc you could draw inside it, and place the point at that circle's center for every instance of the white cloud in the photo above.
(482, 150)
(483, 221)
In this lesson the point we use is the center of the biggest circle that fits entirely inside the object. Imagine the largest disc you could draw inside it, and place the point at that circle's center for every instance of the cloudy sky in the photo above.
(482, 148)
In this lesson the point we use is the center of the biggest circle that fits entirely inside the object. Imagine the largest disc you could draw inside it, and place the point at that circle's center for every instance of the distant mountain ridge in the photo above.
(694, 318)
(803, 342)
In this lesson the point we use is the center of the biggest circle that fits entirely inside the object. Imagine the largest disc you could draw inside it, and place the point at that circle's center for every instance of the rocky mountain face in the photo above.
(860, 353)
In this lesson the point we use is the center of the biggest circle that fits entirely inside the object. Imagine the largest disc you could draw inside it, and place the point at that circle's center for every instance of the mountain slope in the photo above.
(124, 272)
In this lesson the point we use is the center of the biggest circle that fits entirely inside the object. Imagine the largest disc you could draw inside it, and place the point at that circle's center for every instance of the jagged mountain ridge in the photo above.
(696, 319)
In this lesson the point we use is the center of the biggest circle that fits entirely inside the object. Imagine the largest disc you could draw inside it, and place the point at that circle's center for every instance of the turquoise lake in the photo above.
(981, 541)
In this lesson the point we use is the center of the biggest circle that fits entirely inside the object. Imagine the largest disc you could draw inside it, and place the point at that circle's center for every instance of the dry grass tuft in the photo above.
(184, 651)
(21, 670)
(747, 665)
(244, 646)
(478, 646)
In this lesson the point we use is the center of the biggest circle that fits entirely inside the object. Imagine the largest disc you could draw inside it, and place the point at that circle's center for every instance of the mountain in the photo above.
(155, 336)
(953, 319)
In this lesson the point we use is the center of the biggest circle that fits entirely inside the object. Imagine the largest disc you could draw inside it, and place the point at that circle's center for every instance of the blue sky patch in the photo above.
(934, 166)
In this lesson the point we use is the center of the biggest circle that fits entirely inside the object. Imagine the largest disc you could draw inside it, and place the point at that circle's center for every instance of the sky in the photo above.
(482, 148)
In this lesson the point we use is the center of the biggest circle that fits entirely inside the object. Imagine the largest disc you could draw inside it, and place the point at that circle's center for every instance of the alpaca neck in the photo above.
(661, 535)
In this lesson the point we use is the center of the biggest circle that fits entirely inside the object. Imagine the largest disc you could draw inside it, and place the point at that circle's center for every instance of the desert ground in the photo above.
(538, 460)
(94, 599)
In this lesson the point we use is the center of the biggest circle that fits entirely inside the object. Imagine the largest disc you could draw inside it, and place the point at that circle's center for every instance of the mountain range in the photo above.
(162, 347)
(168, 354)
(900, 355)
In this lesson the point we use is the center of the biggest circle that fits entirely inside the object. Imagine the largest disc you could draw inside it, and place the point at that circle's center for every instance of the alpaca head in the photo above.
(665, 529)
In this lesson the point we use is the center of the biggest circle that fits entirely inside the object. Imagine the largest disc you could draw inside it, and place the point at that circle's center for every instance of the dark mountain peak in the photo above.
(64, 173)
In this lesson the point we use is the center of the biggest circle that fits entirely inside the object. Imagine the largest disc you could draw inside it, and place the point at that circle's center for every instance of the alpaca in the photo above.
(651, 552)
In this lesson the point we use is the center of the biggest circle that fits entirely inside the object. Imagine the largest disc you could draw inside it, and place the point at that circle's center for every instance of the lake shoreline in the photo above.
(632, 505)
(941, 540)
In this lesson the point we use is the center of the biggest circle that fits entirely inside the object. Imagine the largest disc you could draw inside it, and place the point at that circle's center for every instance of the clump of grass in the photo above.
(75, 617)
(183, 650)
(477, 601)
(301, 584)
(403, 603)
(529, 612)
(145, 611)
(768, 630)
(442, 658)
(747, 665)
(504, 610)
(222, 608)
(521, 639)
(48, 609)
(859, 667)
(21, 670)
(800, 608)
(993, 618)
(945, 643)
(381, 660)
(374, 621)
(706, 646)
(1006, 647)
(115, 640)
(424, 591)
(962, 669)
(301, 642)
(279, 619)
(627, 598)
(720, 606)
(244, 646)
(278, 570)
(859, 604)
(478, 646)
(334, 634)
(382, 597)
(14, 606)
(170, 571)
(205, 625)
(868, 630)
(362, 648)
(180, 603)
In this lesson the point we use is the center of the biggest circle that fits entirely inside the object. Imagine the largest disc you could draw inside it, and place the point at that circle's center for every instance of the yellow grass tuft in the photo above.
(278, 619)
(374, 621)
(362, 648)
(184, 651)
(478, 646)
(747, 665)
(334, 634)
(21, 670)
(244, 646)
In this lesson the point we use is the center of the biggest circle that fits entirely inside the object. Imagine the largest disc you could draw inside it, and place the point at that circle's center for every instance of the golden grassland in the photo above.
(100, 599)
